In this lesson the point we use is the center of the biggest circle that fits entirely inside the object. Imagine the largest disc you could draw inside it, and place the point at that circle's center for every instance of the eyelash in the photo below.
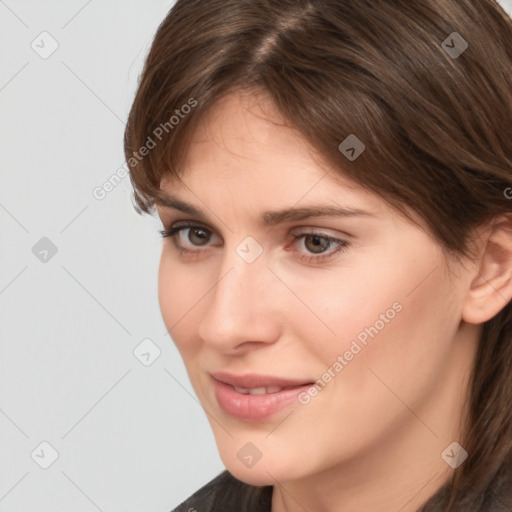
(343, 245)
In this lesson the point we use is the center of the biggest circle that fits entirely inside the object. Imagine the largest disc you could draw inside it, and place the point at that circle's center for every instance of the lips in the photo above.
(254, 381)
(255, 397)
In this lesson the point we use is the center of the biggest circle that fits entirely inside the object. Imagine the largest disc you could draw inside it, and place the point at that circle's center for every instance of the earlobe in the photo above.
(491, 285)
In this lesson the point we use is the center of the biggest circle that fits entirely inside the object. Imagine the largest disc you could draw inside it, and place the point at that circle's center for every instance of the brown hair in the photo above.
(436, 126)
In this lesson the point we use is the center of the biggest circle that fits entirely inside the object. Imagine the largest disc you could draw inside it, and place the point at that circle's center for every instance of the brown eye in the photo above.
(319, 247)
(316, 243)
(199, 236)
(191, 235)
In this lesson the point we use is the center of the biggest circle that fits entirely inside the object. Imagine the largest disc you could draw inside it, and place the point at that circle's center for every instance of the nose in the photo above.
(242, 310)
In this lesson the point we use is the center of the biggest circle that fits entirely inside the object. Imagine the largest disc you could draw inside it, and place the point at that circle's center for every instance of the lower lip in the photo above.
(254, 407)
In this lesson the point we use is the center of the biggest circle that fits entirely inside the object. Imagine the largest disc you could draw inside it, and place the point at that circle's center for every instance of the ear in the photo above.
(491, 286)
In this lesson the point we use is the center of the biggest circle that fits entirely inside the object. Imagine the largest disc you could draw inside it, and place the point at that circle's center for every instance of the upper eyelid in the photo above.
(302, 232)
(188, 224)
(169, 224)
(169, 215)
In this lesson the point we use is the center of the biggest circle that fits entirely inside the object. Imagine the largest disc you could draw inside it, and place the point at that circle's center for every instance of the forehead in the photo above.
(242, 137)
(245, 157)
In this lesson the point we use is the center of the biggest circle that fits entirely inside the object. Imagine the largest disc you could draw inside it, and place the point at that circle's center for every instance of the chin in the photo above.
(268, 470)
(257, 475)
(258, 460)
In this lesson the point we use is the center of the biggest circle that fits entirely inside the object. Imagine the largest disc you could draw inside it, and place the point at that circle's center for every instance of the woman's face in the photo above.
(359, 303)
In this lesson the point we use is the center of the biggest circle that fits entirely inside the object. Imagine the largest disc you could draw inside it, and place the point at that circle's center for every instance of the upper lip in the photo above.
(254, 380)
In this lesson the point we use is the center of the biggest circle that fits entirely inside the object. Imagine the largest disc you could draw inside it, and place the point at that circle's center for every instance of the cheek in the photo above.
(396, 334)
(178, 293)
(400, 314)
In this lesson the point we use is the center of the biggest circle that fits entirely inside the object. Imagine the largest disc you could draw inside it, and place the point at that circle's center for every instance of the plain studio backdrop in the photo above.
(96, 409)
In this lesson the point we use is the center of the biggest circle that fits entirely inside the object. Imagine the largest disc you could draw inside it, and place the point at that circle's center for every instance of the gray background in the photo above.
(129, 437)
(128, 431)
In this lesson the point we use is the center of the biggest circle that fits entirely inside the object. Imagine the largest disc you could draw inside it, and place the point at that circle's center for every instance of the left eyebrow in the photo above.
(272, 218)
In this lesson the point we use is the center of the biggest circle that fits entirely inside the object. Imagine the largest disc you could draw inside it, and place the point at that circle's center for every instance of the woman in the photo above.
(333, 179)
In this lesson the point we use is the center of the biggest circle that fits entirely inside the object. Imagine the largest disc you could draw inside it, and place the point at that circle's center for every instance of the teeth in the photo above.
(241, 390)
(258, 391)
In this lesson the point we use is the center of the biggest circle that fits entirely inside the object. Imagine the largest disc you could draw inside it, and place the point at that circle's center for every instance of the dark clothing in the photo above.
(227, 494)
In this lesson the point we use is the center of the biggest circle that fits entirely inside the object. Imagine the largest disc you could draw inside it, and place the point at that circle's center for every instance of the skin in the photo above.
(373, 436)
